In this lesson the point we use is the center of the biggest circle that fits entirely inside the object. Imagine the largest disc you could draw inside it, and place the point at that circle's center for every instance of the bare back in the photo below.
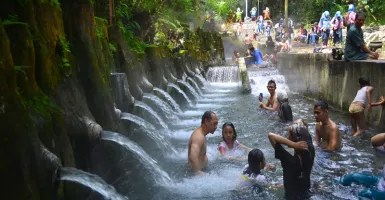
(197, 158)
(328, 135)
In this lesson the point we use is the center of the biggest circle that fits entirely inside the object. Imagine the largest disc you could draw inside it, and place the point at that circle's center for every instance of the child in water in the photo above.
(251, 175)
(230, 142)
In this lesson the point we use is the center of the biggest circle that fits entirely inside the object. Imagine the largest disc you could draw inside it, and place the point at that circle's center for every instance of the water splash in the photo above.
(201, 79)
(162, 105)
(152, 112)
(181, 92)
(195, 85)
(223, 74)
(157, 174)
(170, 100)
(151, 131)
(92, 181)
(189, 88)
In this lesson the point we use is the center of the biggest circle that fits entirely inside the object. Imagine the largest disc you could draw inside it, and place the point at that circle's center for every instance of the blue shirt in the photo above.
(257, 56)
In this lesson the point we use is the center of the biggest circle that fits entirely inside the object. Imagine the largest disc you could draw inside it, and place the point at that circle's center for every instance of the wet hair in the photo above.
(322, 104)
(255, 158)
(363, 81)
(360, 14)
(247, 35)
(232, 126)
(272, 81)
(251, 48)
(300, 132)
(207, 115)
(269, 38)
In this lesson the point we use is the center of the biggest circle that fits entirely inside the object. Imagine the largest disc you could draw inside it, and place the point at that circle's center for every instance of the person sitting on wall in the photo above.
(236, 57)
(355, 48)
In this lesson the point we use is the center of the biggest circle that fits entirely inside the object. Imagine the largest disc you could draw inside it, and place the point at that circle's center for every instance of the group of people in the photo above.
(296, 168)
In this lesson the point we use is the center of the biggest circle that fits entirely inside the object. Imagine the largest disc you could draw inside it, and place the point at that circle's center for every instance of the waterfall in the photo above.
(261, 77)
(190, 88)
(181, 92)
(168, 112)
(201, 79)
(153, 113)
(223, 74)
(195, 85)
(169, 98)
(157, 174)
(151, 131)
(92, 181)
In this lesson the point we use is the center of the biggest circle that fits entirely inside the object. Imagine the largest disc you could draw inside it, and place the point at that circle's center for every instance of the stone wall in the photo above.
(315, 76)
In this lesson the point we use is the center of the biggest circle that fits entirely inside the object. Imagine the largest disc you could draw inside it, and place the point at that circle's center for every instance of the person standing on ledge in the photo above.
(355, 48)
(197, 158)
(326, 131)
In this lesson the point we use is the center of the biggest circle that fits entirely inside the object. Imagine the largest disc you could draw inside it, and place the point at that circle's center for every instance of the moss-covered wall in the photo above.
(56, 58)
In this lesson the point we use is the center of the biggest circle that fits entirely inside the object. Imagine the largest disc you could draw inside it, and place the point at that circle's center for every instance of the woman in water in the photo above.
(357, 107)
(297, 167)
(230, 142)
(251, 175)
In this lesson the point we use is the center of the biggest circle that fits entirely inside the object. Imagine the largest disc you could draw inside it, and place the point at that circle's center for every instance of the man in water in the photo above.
(326, 131)
(275, 100)
(197, 158)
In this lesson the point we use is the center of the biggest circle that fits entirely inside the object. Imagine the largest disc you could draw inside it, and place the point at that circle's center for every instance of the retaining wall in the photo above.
(318, 77)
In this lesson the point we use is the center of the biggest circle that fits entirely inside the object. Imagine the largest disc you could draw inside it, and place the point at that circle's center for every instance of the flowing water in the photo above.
(195, 85)
(177, 88)
(189, 88)
(169, 99)
(153, 113)
(158, 175)
(252, 125)
(91, 181)
(161, 107)
(223, 74)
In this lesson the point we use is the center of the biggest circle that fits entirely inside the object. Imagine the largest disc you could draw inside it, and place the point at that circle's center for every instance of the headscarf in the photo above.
(351, 8)
(338, 14)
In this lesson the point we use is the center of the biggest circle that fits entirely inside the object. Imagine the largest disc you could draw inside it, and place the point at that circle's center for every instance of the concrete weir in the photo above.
(317, 76)
(246, 88)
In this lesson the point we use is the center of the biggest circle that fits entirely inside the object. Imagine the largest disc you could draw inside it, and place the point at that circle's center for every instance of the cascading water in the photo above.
(169, 98)
(202, 80)
(260, 78)
(181, 92)
(155, 134)
(158, 175)
(190, 88)
(92, 181)
(223, 74)
(195, 85)
(153, 113)
(164, 107)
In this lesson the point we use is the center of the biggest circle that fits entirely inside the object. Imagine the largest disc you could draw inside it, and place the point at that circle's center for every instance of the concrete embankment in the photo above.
(317, 77)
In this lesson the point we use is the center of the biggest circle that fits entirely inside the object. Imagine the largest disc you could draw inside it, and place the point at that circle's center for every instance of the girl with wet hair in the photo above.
(297, 167)
(230, 142)
(252, 176)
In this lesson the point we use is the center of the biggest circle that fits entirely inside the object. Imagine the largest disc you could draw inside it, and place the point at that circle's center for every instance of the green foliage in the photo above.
(18, 68)
(112, 48)
(51, 2)
(41, 104)
(100, 28)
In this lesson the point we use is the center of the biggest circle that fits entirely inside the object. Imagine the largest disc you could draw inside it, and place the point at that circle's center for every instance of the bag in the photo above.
(346, 19)
(337, 53)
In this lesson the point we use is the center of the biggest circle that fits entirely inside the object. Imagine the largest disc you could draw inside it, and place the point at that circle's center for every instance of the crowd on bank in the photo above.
(297, 168)
(325, 31)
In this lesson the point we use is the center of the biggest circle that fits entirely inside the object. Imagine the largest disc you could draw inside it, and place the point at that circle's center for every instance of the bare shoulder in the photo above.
(369, 88)
(334, 126)
(197, 136)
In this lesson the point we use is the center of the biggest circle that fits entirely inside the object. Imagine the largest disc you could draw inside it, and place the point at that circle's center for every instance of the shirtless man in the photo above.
(272, 101)
(197, 158)
(326, 131)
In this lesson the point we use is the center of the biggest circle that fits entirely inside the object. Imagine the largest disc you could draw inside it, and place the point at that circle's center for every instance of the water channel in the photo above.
(151, 163)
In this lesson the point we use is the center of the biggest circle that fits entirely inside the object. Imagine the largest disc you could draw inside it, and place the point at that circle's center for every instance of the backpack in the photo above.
(346, 19)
